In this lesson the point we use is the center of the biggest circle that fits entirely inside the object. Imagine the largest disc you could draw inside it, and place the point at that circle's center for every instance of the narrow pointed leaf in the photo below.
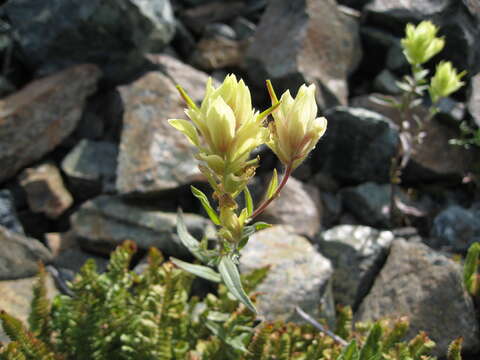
(188, 240)
(350, 352)
(470, 270)
(272, 186)
(191, 104)
(248, 201)
(231, 278)
(371, 349)
(198, 270)
(212, 214)
(267, 112)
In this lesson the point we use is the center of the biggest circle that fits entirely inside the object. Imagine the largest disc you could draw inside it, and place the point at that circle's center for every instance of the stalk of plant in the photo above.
(225, 129)
(420, 44)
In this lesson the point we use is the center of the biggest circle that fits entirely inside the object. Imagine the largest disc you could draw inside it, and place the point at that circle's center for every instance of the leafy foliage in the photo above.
(123, 315)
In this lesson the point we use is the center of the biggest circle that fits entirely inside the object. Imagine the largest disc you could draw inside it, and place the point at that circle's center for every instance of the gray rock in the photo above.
(243, 28)
(72, 260)
(46, 192)
(20, 255)
(91, 166)
(385, 83)
(369, 202)
(107, 221)
(331, 209)
(305, 41)
(357, 254)
(8, 213)
(17, 296)
(299, 275)
(432, 159)
(36, 119)
(425, 286)
(455, 228)
(298, 205)
(112, 34)
(357, 147)
(474, 99)
(153, 156)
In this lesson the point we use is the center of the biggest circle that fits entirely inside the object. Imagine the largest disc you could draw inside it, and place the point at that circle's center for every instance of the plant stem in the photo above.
(267, 202)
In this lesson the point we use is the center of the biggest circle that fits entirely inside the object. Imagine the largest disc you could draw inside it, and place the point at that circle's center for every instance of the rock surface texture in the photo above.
(427, 287)
(299, 276)
(37, 118)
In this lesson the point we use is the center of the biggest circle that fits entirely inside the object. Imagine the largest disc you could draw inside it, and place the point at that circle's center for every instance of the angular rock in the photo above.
(369, 202)
(455, 228)
(17, 296)
(298, 205)
(46, 192)
(60, 242)
(113, 35)
(91, 166)
(357, 147)
(357, 254)
(217, 52)
(427, 287)
(20, 255)
(153, 156)
(107, 221)
(305, 41)
(8, 213)
(299, 275)
(331, 209)
(34, 120)
(434, 158)
(71, 261)
(474, 99)
(385, 83)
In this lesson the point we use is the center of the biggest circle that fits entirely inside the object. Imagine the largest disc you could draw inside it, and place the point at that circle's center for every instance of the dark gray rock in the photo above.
(385, 83)
(20, 255)
(369, 202)
(357, 254)
(91, 167)
(72, 260)
(298, 205)
(243, 28)
(331, 208)
(357, 147)
(8, 213)
(107, 221)
(299, 275)
(153, 156)
(455, 228)
(112, 34)
(36, 119)
(427, 287)
(474, 99)
(46, 192)
(305, 41)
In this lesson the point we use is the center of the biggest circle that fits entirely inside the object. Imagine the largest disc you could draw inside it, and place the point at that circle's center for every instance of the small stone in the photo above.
(474, 99)
(8, 213)
(331, 209)
(357, 254)
(427, 287)
(20, 255)
(299, 275)
(357, 147)
(105, 222)
(385, 83)
(17, 296)
(300, 42)
(298, 205)
(91, 167)
(153, 156)
(37, 118)
(60, 242)
(46, 192)
(243, 28)
(455, 228)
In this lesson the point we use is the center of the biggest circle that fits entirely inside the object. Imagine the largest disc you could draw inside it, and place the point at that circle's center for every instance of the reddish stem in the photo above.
(264, 205)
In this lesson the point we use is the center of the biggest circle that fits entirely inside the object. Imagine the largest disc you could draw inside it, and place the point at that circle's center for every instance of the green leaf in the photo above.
(219, 331)
(248, 201)
(272, 186)
(188, 240)
(231, 278)
(371, 349)
(470, 269)
(198, 270)
(350, 352)
(212, 214)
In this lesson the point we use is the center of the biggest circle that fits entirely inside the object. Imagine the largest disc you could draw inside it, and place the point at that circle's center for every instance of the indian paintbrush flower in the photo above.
(445, 81)
(421, 42)
(295, 129)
